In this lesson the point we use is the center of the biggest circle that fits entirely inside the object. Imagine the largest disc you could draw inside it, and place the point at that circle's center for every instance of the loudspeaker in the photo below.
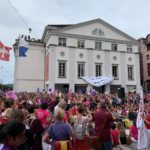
(121, 92)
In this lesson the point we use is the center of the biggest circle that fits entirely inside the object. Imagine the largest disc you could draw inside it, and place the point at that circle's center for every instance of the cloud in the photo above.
(130, 16)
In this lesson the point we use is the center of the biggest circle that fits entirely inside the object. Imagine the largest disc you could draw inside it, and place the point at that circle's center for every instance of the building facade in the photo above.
(29, 71)
(144, 49)
(92, 48)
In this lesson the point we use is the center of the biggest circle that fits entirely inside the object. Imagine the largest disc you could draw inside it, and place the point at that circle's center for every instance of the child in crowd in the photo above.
(115, 134)
(133, 132)
(123, 135)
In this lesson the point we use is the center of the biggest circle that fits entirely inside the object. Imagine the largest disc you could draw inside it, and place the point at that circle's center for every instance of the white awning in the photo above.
(98, 81)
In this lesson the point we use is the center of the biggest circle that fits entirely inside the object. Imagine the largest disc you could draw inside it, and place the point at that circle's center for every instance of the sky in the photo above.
(129, 16)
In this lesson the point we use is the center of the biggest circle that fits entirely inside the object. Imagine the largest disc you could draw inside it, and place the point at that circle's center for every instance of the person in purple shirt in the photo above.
(58, 131)
(11, 135)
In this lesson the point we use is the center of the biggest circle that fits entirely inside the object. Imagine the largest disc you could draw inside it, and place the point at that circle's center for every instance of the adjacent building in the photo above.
(68, 52)
(144, 49)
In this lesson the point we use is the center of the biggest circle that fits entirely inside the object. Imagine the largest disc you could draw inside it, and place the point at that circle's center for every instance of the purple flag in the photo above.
(11, 94)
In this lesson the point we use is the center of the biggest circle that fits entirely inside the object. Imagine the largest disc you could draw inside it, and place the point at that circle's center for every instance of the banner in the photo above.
(4, 52)
(142, 136)
(98, 81)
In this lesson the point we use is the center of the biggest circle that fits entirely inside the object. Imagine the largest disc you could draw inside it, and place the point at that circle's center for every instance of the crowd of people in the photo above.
(70, 121)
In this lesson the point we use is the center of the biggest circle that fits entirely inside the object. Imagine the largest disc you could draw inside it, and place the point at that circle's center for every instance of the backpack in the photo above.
(79, 129)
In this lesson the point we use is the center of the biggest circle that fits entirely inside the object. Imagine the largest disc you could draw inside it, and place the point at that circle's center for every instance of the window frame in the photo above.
(99, 71)
(113, 45)
(80, 43)
(130, 77)
(99, 47)
(62, 41)
(117, 72)
(129, 49)
(80, 72)
(148, 57)
(60, 74)
(148, 47)
(148, 69)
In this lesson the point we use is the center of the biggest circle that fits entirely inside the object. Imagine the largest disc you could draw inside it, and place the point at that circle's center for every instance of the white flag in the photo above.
(23, 47)
(142, 136)
(141, 111)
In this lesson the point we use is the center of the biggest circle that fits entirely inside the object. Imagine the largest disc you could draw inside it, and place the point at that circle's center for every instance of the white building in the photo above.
(29, 71)
(92, 48)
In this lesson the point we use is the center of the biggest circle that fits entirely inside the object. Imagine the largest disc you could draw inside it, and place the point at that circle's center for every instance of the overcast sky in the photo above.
(130, 16)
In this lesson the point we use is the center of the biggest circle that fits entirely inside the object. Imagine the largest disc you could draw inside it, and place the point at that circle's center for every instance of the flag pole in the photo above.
(16, 51)
(45, 66)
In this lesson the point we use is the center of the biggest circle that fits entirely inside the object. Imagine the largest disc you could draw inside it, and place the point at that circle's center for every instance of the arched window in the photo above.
(98, 32)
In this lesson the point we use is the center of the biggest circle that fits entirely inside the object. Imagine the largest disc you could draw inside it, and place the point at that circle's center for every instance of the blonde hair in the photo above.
(8, 113)
(62, 104)
(18, 115)
(59, 114)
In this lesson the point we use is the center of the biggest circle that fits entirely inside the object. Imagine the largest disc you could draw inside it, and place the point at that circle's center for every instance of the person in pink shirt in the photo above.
(43, 115)
(87, 104)
(133, 132)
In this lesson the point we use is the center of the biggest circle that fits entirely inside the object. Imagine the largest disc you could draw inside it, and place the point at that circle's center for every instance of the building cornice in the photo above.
(31, 79)
(104, 50)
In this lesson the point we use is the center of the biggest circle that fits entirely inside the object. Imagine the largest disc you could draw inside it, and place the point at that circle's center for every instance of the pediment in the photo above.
(97, 28)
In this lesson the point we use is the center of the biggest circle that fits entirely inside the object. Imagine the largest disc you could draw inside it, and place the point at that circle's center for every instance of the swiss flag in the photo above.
(4, 52)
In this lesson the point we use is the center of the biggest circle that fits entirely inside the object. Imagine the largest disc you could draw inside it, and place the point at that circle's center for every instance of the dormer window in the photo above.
(97, 32)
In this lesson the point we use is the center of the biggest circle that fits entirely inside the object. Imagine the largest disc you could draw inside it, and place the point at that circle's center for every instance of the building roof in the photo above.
(63, 27)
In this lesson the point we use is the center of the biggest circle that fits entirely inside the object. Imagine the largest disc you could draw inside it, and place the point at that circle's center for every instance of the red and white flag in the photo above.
(4, 52)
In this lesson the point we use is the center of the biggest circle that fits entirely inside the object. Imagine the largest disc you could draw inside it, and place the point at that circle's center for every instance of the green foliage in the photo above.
(6, 86)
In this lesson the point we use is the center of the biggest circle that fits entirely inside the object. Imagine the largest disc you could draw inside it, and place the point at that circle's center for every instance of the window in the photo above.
(130, 73)
(62, 41)
(98, 32)
(115, 71)
(98, 70)
(114, 47)
(98, 45)
(148, 69)
(148, 47)
(148, 38)
(62, 70)
(81, 69)
(148, 57)
(80, 44)
(129, 49)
